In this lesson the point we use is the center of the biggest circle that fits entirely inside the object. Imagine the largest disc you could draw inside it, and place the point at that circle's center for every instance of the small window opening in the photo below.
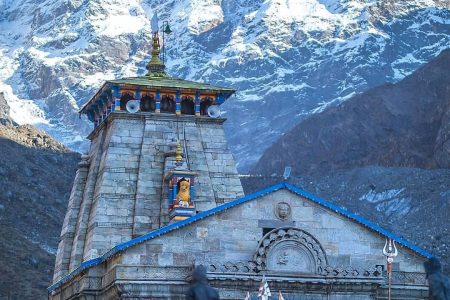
(267, 230)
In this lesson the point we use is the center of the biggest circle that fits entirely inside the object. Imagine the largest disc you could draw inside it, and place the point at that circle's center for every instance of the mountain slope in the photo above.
(384, 154)
(287, 58)
(404, 125)
(36, 176)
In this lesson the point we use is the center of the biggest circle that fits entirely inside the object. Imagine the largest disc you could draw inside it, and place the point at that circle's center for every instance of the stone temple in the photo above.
(158, 193)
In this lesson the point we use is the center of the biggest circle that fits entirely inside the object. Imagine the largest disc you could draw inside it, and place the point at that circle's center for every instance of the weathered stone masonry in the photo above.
(118, 188)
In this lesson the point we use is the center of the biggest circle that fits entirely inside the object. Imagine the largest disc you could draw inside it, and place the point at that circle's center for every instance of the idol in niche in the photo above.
(183, 195)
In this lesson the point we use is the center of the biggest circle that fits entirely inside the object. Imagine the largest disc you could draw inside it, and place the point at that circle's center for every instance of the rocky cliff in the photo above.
(36, 174)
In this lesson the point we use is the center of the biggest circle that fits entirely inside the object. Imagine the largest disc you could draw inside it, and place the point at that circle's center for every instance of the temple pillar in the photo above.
(116, 97)
(158, 101)
(178, 103)
(197, 103)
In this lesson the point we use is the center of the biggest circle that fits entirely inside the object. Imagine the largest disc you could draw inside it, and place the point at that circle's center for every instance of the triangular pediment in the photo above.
(279, 206)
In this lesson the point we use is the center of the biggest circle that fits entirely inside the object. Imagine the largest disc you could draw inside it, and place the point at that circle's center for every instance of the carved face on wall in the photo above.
(283, 210)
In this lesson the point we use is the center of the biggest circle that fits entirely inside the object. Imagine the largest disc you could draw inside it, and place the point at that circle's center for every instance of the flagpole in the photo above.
(248, 296)
(264, 290)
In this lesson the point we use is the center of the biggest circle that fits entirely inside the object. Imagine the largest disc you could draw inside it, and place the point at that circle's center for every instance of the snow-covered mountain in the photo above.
(287, 58)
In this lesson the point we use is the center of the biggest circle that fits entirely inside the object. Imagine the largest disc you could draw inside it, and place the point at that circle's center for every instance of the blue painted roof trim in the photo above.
(282, 185)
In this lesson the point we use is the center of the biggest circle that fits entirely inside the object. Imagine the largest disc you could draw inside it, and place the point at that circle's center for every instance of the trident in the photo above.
(390, 251)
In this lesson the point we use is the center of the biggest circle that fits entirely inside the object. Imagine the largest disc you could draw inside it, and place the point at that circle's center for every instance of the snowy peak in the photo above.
(286, 58)
(202, 15)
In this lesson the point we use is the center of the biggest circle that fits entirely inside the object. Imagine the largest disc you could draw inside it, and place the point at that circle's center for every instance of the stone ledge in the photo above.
(148, 116)
(145, 273)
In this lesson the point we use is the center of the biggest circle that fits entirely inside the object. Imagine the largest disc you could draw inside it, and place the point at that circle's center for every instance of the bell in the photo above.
(167, 29)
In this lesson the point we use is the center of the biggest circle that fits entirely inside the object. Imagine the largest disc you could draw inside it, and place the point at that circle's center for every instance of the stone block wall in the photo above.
(118, 193)
(233, 236)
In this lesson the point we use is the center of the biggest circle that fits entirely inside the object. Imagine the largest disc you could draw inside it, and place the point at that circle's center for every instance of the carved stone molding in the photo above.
(408, 278)
(290, 250)
(85, 161)
(352, 272)
(245, 269)
(233, 268)
(145, 273)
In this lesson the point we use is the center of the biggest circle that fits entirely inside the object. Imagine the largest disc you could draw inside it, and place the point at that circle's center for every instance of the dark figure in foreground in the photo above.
(439, 284)
(200, 289)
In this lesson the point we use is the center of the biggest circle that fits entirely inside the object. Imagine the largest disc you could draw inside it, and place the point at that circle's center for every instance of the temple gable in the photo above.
(282, 233)
(300, 244)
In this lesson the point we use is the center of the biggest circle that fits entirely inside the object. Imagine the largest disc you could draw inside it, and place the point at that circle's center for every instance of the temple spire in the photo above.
(155, 66)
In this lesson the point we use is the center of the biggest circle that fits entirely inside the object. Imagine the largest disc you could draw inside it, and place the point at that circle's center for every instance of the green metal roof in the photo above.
(169, 82)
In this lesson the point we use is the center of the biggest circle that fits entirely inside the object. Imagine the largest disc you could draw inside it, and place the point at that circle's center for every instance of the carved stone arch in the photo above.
(290, 250)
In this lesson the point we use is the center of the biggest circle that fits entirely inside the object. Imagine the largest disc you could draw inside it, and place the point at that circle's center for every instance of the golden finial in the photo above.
(178, 153)
(155, 67)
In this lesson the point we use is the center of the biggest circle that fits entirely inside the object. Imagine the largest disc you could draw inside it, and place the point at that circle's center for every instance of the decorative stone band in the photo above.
(143, 281)
(84, 163)
(146, 273)
(150, 275)
(229, 267)
(251, 268)
(408, 278)
(369, 272)
(376, 274)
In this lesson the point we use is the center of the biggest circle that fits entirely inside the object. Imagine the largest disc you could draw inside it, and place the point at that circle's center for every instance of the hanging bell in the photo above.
(167, 29)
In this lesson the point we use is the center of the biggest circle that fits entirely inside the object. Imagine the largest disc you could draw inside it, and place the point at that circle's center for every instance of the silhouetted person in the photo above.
(439, 284)
(200, 289)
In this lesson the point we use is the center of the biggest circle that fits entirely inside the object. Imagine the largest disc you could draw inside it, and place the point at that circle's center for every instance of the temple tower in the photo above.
(158, 155)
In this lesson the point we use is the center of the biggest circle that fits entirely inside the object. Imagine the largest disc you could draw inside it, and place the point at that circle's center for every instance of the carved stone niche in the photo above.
(290, 250)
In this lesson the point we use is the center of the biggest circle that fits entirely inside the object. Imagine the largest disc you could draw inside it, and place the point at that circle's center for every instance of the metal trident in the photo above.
(390, 251)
